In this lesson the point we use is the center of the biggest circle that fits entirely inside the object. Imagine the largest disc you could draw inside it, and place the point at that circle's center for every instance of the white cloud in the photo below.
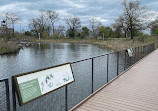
(105, 10)
(152, 15)
(14, 7)
(73, 4)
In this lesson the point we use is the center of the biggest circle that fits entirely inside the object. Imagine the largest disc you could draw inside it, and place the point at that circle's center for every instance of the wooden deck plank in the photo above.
(97, 107)
(91, 108)
(111, 105)
(126, 101)
(135, 90)
(123, 103)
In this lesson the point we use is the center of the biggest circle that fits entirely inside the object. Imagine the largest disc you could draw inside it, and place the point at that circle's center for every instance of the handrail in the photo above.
(2, 80)
(140, 52)
(107, 54)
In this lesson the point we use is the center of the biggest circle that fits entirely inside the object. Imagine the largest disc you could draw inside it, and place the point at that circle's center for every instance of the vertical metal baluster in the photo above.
(13, 95)
(135, 58)
(7, 94)
(138, 54)
(125, 61)
(117, 63)
(130, 61)
(66, 98)
(107, 68)
(92, 73)
(143, 52)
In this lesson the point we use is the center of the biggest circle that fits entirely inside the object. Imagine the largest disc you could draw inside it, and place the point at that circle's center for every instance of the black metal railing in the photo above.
(90, 74)
(4, 95)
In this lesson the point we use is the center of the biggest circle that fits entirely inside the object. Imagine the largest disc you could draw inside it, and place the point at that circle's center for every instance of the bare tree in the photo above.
(134, 14)
(121, 23)
(39, 24)
(53, 18)
(73, 23)
(12, 18)
(94, 24)
(60, 30)
(34, 26)
(42, 21)
(153, 27)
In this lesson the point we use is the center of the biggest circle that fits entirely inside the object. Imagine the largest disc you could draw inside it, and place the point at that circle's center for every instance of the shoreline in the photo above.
(112, 44)
(7, 48)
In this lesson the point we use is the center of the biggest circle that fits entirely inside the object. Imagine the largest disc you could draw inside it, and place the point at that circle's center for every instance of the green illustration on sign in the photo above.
(30, 90)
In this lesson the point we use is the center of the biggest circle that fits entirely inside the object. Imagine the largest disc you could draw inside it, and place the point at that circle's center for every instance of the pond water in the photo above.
(45, 55)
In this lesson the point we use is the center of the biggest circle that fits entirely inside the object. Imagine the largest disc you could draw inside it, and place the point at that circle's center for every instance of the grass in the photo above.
(114, 44)
(121, 44)
(8, 47)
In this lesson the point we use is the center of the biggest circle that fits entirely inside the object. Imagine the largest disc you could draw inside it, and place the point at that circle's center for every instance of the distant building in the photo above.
(4, 29)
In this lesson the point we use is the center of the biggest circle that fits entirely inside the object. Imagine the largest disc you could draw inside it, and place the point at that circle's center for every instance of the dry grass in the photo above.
(112, 44)
(8, 47)
(120, 44)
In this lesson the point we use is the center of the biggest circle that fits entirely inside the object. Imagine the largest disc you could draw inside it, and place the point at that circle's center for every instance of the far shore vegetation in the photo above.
(114, 44)
(126, 32)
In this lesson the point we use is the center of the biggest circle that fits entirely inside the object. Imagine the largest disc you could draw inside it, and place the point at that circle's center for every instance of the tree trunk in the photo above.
(125, 33)
(13, 31)
(131, 28)
(53, 30)
(6, 28)
(6, 31)
(131, 31)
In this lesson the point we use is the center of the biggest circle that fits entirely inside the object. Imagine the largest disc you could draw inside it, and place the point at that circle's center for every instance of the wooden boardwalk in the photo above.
(135, 90)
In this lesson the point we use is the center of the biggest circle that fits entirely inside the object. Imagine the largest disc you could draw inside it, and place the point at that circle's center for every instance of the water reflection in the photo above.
(44, 55)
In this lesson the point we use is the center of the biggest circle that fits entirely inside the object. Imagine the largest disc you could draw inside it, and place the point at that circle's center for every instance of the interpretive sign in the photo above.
(130, 52)
(35, 84)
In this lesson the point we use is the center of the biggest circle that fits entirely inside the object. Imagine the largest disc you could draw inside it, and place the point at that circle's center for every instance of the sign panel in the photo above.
(38, 83)
(130, 52)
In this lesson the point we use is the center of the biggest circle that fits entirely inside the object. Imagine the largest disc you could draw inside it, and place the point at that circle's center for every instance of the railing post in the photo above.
(92, 73)
(138, 54)
(143, 52)
(7, 94)
(147, 49)
(135, 58)
(13, 95)
(107, 68)
(125, 61)
(130, 61)
(66, 102)
(117, 63)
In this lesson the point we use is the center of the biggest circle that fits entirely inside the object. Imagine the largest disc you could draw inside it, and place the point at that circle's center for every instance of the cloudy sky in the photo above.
(105, 10)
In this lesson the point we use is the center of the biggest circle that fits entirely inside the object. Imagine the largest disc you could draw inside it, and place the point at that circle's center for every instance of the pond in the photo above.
(45, 55)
